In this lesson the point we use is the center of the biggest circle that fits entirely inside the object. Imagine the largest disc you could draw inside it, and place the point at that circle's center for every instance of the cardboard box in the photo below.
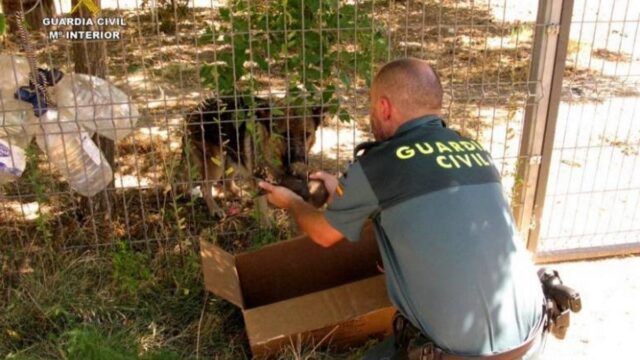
(296, 291)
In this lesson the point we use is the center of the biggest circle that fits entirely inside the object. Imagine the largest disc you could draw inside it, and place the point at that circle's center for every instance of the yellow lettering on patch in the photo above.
(478, 161)
(441, 161)
(442, 147)
(477, 144)
(464, 159)
(427, 149)
(455, 163)
(467, 145)
(456, 146)
(405, 152)
(483, 160)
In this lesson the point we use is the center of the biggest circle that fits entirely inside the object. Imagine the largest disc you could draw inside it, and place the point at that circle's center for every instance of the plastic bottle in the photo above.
(96, 105)
(72, 151)
(14, 117)
(14, 72)
(16, 126)
(12, 161)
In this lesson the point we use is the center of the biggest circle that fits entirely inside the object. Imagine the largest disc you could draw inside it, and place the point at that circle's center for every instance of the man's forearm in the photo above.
(313, 223)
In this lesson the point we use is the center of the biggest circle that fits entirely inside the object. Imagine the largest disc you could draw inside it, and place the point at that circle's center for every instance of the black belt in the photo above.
(404, 331)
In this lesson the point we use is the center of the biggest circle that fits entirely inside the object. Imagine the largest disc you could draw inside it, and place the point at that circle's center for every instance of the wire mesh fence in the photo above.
(286, 59)
(592, 199)
(286, 66)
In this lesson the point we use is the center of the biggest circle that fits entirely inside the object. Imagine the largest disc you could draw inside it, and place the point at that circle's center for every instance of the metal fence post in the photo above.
(548, 61)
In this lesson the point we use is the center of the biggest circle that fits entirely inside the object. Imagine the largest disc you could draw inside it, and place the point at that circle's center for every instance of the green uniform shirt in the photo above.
(453, 261)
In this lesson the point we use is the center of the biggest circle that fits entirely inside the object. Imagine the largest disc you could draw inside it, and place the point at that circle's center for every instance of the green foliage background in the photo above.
(317, 46)
(3, 24)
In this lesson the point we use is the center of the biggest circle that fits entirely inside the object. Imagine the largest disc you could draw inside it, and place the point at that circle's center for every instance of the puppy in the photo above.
(229, 140)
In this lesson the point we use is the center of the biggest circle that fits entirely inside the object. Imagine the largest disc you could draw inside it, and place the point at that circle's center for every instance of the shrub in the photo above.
(316, 45)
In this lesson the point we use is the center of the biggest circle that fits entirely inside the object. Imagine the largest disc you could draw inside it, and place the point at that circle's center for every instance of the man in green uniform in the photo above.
(454, 265)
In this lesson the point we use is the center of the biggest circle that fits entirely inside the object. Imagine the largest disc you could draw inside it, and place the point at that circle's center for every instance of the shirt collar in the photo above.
(429, 120)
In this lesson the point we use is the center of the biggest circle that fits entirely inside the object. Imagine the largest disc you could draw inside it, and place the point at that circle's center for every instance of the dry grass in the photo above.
(611, 55)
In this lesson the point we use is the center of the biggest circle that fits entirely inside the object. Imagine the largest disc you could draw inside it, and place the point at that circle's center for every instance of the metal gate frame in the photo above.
(551, 40)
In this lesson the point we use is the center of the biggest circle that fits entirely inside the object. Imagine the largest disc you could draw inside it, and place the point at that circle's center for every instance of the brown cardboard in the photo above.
(295, 291)
(220, 274)
(340, 316)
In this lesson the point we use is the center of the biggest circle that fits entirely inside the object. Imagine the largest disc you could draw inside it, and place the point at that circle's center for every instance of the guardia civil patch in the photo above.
(425, 159)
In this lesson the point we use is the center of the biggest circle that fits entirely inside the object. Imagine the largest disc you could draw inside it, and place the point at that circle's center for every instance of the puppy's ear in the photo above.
(317, 115)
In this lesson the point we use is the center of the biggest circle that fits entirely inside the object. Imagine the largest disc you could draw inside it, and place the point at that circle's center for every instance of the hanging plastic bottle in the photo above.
(72, 151)
(12, 161)
(14, 72)
(96, 105)
(14, 117)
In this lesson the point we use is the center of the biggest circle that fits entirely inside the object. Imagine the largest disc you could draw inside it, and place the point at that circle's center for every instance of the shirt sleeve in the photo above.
(351, 207)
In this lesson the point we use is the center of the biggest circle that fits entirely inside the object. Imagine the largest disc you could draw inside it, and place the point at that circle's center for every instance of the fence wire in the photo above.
(593, 195)
(173, 55)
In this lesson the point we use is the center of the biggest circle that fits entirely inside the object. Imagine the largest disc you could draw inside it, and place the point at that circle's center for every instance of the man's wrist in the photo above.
(295, 202)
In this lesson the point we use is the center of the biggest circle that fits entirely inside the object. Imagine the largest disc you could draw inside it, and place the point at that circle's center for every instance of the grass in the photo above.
(122, 303)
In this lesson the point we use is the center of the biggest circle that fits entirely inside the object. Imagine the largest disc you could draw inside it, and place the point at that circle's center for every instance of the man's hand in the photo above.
(279, 196)
(330, 182)
(309, 219)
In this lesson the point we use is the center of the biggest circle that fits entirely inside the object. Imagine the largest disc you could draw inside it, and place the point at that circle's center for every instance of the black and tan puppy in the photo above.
(229, 140)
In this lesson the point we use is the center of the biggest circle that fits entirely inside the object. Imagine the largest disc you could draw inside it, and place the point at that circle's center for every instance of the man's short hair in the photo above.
(410, 82)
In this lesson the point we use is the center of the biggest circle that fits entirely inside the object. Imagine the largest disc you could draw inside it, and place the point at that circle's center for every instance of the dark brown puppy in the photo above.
(230, 140)
(312, 191)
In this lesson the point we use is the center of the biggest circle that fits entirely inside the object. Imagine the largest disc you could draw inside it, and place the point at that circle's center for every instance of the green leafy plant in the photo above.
(3, 24)
(40, 188)
(131, 271)
(90, 343)
(317, 46)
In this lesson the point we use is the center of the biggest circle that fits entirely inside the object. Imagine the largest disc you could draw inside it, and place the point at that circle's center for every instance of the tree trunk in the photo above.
(90, 58)
(46, 8)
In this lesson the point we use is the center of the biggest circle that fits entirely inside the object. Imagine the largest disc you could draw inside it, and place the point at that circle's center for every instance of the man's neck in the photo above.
(415, 116)
(418, 114)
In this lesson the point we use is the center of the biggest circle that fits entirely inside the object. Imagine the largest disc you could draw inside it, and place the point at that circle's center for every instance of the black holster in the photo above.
(560, 299)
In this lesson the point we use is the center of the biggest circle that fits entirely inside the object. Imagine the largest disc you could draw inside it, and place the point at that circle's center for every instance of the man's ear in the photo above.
(385, 108)
(317, 114)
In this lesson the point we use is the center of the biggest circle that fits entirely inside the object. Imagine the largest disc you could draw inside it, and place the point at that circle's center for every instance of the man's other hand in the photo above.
(279, 196)
(330, 182)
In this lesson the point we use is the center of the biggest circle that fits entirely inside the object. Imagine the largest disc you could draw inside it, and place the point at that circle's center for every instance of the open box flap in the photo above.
(316, 310)
(299, 266)
(220, 273)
